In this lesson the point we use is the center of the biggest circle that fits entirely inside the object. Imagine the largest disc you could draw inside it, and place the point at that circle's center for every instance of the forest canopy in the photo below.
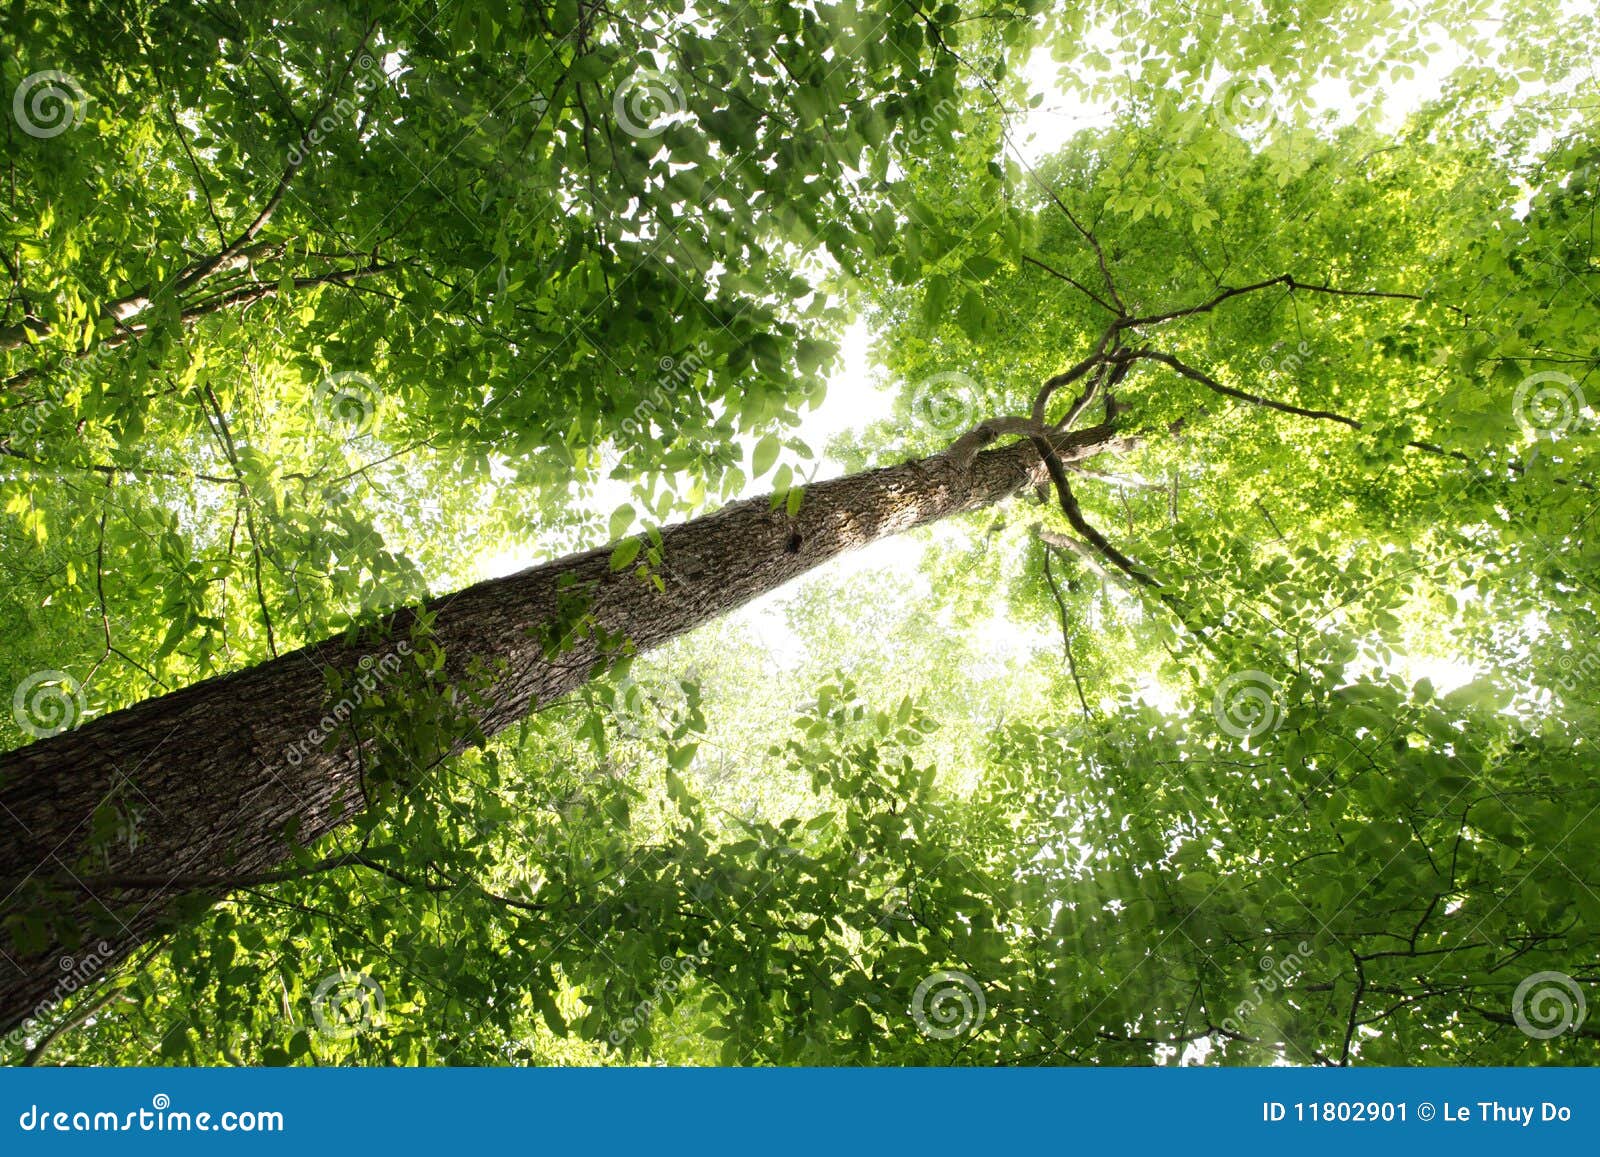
(862, 532)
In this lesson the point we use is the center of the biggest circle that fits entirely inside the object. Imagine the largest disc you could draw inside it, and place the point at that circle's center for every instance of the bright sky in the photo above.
(858, 396)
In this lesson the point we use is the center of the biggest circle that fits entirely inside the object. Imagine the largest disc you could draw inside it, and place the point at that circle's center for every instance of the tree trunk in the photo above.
(219, 773)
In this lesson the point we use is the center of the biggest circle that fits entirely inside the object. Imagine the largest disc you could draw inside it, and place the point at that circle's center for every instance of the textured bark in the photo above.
(218, 769)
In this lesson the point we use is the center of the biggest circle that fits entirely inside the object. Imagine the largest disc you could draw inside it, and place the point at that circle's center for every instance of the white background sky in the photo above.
(858, 395)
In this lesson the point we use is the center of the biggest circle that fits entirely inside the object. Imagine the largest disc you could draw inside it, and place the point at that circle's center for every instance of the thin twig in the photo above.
(1072, 281)
(247, 502)
(1066, 632)
(1285, 279)
(1432, 448)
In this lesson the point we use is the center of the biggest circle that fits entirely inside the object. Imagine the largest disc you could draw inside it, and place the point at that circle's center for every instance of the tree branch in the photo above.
(247, 502)
(1066, 631)
(1285, 279)
(245, 295)
(1072, 281)
(1069, 507)
(302, 154)
(1432, 448)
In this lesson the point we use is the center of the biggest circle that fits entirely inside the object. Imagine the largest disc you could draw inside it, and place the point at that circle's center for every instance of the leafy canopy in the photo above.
(308, 314)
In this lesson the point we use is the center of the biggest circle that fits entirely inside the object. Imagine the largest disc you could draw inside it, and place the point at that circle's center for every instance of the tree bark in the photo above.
(219, 773)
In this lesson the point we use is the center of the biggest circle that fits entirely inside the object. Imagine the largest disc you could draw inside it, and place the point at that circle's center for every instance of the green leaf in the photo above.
(764, 455)
(625, 552)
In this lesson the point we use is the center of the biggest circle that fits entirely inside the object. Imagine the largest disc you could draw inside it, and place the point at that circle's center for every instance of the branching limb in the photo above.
(256, 291)
(1066, 631)
(1121, 481)
(1041, 400)
(303, 152)
(365, 860)
(230, 256)
(1215, 386)
(84, 1012)
(112, 471)
(239, 296)
(1072, 281)
(1069, 507)
(1211, 383)
(1355, 1009)
(1075, 411)
(1121, 310)
(225, 438)
(36, 1053)
(1067, 545)
(1287, 280)
(105, 614)
(1117, 307)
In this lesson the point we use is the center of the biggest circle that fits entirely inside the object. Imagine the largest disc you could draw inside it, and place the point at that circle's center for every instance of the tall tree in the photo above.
(305, 314)
(232, 774)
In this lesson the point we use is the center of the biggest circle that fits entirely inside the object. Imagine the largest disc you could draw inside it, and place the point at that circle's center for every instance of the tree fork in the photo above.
(221, 770)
